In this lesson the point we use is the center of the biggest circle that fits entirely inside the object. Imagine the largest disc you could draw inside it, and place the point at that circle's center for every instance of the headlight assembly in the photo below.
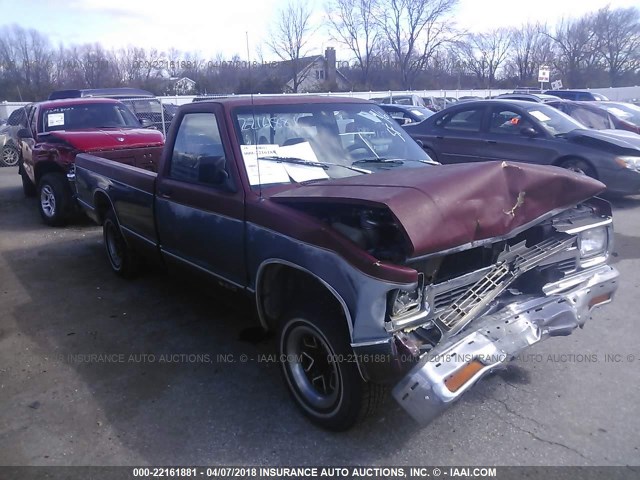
(403, 302)
(593, 241)
(630, 162)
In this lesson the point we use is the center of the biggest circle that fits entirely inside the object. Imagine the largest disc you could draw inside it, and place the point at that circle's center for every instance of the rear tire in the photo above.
(580, 166)
(55, 198)
(122, 258)
(320, 370)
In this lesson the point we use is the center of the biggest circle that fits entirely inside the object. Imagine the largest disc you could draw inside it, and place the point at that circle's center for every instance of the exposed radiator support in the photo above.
(512, 263)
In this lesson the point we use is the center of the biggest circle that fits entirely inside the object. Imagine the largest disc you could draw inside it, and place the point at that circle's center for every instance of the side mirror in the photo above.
(24, 133)
(146, 123)
(528, 132)
(212, 170)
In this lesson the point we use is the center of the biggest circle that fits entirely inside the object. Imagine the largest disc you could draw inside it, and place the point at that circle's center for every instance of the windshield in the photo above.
(88, 115)
(627, 112)
(553, 121)
(303, 142)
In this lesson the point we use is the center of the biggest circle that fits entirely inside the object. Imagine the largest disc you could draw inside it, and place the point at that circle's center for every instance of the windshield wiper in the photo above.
(300, 161)
(380, 160)
(398, 161)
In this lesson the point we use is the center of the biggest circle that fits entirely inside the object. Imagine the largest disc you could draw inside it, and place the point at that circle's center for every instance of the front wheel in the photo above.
(579, 166)
(320, 370)
(122, 258)
(55, 199)
(10, 156)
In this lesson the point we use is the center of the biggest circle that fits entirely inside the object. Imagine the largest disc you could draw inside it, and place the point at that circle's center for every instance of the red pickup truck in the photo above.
(376, 267)
(58, 130)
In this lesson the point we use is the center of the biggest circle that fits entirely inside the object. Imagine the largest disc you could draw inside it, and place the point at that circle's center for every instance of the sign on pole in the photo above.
(556, 84)
(543, 74)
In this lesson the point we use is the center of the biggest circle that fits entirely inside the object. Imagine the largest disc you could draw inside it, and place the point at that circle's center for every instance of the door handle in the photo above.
(439, 137)
(492, 142)
(165, 193)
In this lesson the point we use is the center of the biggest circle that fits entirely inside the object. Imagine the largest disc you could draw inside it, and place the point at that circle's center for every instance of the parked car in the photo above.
(144, 105)
(528, 97)
(578, 95)
(401, 100)
(533, 133)
(591, 115)
(468, 98)
(58, 130)
(404, 114)
(10, 155)
(626, 115)
(376, 268)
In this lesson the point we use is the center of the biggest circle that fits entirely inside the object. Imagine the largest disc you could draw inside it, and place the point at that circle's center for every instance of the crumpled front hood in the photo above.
(109, 138)
(446, 206)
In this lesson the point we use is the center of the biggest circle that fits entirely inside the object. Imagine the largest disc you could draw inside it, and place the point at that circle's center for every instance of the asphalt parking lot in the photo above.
(158, 392)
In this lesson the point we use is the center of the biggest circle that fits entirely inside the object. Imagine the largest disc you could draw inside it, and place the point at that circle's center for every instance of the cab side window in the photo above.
(463, 120)
(507, 122)
(198, 155)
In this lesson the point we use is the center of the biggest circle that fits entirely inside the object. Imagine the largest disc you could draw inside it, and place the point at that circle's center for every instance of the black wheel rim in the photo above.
(312, 367)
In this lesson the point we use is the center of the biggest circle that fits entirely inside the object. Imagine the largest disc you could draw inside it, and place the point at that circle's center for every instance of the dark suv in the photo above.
(580, 95)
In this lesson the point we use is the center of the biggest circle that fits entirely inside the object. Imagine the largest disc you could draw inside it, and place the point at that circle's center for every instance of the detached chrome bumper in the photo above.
(446, 372)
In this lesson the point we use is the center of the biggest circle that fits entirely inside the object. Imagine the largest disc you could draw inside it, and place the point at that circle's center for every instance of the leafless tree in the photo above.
(530, 49)
(484, 53)
(575, 44)
(619, 33)
(354, 25)
(290, 37)
(414, 31)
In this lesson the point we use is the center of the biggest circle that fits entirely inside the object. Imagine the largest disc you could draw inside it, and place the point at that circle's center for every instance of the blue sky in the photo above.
(218, 27)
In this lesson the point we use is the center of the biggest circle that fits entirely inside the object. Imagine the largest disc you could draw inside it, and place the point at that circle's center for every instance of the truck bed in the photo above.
(129, 192)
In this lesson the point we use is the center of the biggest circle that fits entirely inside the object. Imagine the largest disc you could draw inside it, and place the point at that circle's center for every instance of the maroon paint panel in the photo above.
(295, 224)
(108, 139)
(451, 205)
(135, 177)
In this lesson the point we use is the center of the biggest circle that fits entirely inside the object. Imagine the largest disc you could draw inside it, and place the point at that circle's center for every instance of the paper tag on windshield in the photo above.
(303, 173)
(55, 119)
(302, 151)
(539, 115)
(268, 171)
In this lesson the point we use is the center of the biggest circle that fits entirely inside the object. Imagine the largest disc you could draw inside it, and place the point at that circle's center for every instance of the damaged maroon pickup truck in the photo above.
(376, 267)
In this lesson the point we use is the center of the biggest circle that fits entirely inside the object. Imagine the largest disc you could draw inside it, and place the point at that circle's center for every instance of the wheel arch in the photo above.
(102, 204)
(42, 168)
(281, 272)
(559, 161)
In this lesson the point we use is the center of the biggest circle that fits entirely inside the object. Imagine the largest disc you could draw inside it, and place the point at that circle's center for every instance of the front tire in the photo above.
(55, 198)
(10, 156)
(320, 370)
(122, 259)
(579, 166)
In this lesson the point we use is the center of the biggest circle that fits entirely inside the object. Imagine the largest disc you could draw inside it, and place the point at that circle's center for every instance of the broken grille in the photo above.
(512, 263)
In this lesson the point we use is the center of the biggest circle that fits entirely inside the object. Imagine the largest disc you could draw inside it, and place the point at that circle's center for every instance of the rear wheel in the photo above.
(123, 259)
(55, 199)
(320, 370)
(579, 166)
(10, 156)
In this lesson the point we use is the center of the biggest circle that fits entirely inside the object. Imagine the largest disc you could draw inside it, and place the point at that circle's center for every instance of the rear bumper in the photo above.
(446, 372)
